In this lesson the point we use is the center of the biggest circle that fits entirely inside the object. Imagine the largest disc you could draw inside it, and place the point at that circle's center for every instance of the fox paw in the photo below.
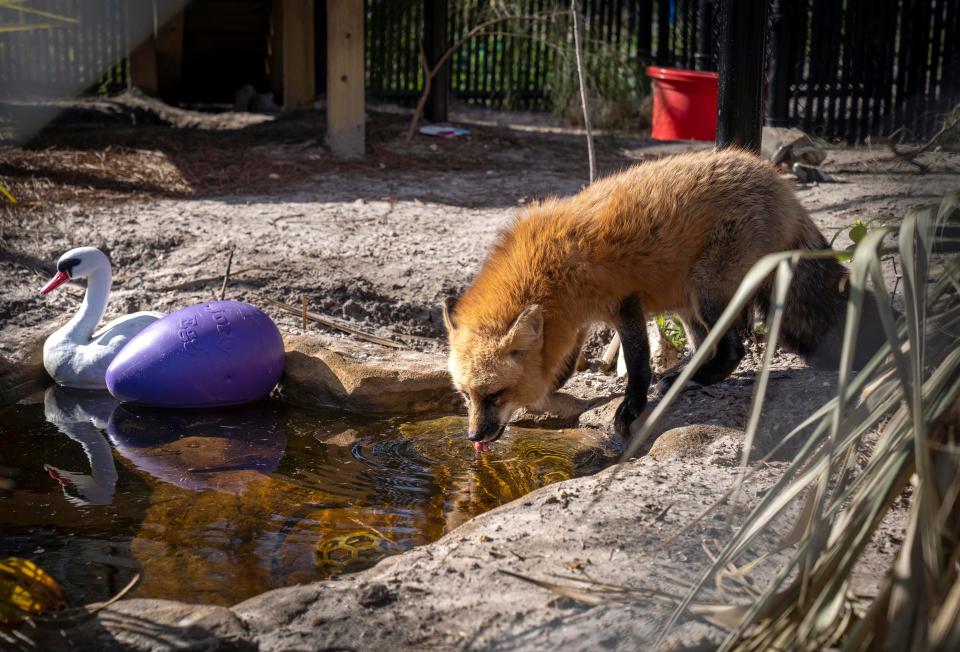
(627, 412)
(666, 382)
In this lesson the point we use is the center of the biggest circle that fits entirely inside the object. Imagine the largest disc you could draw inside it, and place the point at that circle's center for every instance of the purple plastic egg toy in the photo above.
(207, 355)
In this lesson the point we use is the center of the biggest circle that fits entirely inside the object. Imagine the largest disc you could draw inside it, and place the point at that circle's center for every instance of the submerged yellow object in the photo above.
(352, 552)
(26, 590)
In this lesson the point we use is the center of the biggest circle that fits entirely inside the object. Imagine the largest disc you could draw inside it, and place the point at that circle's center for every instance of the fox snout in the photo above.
(485, 425)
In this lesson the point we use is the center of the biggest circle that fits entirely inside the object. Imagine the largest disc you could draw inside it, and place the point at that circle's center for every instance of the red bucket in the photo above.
(684, 104)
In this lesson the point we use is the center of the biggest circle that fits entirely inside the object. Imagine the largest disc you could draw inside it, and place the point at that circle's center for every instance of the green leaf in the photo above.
(857, 231)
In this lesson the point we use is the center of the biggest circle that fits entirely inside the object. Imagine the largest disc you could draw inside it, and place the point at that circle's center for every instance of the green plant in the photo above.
(616, 85)
(912, 384)
(672, 329)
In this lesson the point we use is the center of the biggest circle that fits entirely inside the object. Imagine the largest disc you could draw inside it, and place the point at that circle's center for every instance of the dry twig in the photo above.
(226, 276)
(329, 323)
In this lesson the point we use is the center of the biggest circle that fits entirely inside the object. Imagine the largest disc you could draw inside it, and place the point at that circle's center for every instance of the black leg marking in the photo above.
(568, 368)
(632, 329)
(729, 352)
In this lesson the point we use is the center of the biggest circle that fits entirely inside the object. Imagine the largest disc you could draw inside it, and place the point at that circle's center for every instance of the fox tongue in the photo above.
(481, 446)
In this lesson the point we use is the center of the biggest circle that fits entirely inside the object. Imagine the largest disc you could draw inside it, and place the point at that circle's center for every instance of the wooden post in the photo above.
(143, 66)
(156, 62)
(345, 78)
(299, 80)
(275, 53)
(169, 51)
(435, 45)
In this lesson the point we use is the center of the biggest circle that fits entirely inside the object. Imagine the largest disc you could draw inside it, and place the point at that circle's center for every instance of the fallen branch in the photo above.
(329, 323)
(429, 73)
(909, 155)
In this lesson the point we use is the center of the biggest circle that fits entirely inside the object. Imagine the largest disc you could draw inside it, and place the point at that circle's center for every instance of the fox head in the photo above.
(497, 371)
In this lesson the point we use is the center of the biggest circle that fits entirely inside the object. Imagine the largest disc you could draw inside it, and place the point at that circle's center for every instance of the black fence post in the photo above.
(663, 33)
(743, 36)
(644, 32)
(778, 79)
(703, 58)
(435, 44)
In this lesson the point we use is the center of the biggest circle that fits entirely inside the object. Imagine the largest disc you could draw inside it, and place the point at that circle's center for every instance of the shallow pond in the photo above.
(217, 506)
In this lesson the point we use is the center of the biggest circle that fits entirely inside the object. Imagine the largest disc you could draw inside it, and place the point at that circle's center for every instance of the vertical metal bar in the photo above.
(644, 23)
(866, 56)
(936, 64)
(663, 33)
(849, 103)
(435, 44)
(948, 82)
(835, 69)
(902, 40)
(778, 75)
(806, 55)
(743, 36)
(890, 71)
(703, 59)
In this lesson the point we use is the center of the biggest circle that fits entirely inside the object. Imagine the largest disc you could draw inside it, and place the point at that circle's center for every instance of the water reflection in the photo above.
(82, 416)
(223, 450)
(217, 506)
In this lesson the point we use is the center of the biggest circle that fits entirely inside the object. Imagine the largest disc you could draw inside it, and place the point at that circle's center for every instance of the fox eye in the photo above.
(494, 398)
(516, 353)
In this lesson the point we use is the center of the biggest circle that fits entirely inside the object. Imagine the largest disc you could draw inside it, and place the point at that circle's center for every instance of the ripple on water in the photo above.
(221, 505)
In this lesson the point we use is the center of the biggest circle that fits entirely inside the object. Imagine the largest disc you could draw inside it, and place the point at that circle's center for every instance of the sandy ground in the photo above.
(379, 244)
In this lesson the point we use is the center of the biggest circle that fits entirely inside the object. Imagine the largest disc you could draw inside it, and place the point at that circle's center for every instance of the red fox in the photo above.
(676, 235)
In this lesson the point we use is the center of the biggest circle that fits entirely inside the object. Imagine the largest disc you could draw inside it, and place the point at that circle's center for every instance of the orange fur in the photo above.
(669, 232)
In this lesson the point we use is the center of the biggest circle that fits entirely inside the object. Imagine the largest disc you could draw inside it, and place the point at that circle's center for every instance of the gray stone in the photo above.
(558, 410)
(152, 626)
(689, 441)
(333, 373)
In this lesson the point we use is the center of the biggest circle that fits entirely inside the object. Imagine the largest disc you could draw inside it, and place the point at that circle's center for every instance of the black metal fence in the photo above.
(864, 68)
(841, 69)
(509, 65)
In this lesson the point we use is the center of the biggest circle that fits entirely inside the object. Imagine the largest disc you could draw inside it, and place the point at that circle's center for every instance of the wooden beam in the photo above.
(345, 78)
(143, 65)
(297, 65)
(156, 64)
(275, 53)
(169, 49)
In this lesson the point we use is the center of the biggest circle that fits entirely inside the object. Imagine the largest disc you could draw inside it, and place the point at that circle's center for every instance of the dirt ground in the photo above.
(378, 244)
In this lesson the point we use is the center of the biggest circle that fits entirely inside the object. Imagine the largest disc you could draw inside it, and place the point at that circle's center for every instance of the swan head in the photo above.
(77, 263)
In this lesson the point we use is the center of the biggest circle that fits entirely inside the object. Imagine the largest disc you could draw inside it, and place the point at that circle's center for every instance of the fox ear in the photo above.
(526, 332)
(447, 319)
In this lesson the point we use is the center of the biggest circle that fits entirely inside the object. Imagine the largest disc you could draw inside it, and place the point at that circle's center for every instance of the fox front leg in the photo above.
(632, 329)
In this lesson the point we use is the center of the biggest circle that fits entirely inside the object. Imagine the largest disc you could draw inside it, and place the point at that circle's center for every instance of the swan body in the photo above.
(77, 355)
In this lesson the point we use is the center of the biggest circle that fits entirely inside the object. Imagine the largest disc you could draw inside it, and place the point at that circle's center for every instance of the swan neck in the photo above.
(94, 304)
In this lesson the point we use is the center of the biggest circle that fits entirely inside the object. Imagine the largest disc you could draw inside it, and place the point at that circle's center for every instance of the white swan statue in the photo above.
(83, 418)
(75, 355)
